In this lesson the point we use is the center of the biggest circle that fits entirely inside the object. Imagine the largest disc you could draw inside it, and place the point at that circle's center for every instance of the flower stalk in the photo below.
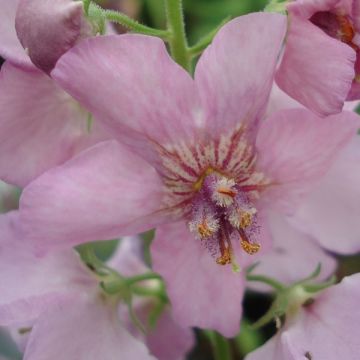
(177, 39)
(220, 345)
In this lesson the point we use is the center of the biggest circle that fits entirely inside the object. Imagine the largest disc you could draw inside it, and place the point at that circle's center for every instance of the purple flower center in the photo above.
(213, 186)
(222, 212)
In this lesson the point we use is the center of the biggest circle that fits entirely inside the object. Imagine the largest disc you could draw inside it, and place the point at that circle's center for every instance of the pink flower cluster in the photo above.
(108, 137)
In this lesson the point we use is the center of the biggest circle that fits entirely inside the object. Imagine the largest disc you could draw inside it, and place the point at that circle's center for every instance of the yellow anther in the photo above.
(251, 249)
(245, 219)
(225, 257)
(204, 230)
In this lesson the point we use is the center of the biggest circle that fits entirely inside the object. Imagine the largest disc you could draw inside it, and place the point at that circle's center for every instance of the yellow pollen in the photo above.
(251, 249)
(225, 257)
(204, 230)
(245, 219)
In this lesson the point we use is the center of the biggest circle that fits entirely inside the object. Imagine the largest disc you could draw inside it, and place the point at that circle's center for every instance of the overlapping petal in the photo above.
(104, 192)
(294, 255)
(330, 213)
(201, 292)
(235, 73)
(82, 331)
(327, 329)
(10, 47)
(30, 284)
(41, 126)
(296, 148)
(169, 341)
(142, 102)
(316, 69)
(47, 29)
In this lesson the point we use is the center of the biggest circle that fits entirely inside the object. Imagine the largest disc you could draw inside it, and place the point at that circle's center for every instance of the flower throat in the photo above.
(221, 214)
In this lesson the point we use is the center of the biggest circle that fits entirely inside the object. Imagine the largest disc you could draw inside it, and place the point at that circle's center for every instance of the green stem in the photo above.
(137, 278)
(248, 339)
(86, 4)
(132, 24)
(220, 345)
(271, 282)
(177, 39)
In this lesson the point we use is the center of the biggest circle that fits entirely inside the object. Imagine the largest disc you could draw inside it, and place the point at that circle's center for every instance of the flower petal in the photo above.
(316, 70)
(294, 256)
(279, 100)
(41, 126)
(47, 29)
(169, 341)
(235, 73)
(327, 329)
(306, 8)
(10, 47)
(104, 192)
(142, 102)
(88, 331)
(30, 284)
(196, 285)
(330, 213)
(296, 148)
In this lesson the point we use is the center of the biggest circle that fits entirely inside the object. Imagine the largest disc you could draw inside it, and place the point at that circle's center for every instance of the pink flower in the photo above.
(47, 29)
(196, 161)
(327, 329)
(61, 299)
(167, 340)
(321, 49)
(41, 126)
(299, 239)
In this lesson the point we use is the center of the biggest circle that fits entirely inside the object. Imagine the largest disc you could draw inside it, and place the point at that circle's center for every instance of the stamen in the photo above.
(225, 257)
(250, 248)
(224, 192)
(205, 224)
(242, 219)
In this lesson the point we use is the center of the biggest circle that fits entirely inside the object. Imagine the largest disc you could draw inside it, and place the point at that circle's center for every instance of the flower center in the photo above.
(337, 26)
(222, 213)
(212, 184)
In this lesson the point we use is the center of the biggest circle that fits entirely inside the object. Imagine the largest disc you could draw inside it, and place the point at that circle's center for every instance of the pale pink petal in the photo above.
(330, 213)
(279, 100)
(316, 70)
(327, 329)
(10, 47)
(104, 192)
(144, 97)
(41, 126)
(29, 284)
(306, 8)
(356, 14)
(128, 257)
(169, 341)
(296, 148)
(201, 292)
(235, 73)
(47, 29)
(82, 331)
(294, 256)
